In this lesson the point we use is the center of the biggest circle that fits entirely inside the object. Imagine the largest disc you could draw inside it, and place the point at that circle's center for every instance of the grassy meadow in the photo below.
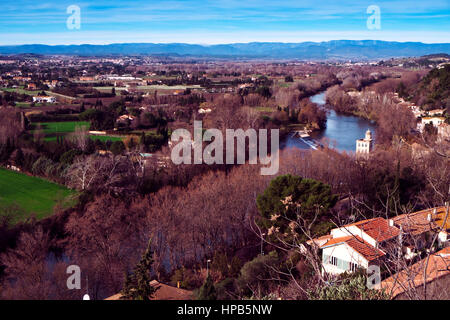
(53, 129)
(31, 195)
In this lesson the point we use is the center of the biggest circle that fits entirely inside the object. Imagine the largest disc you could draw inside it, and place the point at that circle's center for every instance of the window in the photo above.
(353, 267)
(333, 261)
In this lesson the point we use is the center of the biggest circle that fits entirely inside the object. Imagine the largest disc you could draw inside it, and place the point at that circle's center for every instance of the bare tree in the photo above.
(80, 137)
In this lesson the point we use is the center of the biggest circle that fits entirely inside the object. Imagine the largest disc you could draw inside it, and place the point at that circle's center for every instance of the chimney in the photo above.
(391, 222)
(178, 284)
(431, 215)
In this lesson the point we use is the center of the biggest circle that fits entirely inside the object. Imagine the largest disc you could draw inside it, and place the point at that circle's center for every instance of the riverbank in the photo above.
(341, 131)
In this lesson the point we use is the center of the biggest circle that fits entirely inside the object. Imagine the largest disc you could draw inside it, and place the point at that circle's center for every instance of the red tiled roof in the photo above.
(365, 249)
(320, 241)
(438, 266)
(335, 241)
(164, 292)
(378, 229)
(417, 222)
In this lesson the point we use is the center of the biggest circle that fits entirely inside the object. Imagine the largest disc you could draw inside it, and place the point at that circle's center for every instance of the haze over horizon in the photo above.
(221, 22)
(225, 43)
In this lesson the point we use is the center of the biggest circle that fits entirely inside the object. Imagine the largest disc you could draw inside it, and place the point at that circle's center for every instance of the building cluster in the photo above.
(384, 242)
(434, 118)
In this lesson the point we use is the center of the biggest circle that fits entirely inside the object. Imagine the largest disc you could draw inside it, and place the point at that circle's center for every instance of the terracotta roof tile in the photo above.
(365, 249)
(368, 251)
(378, 229)
(165, 292)
(438, 266)
(320, 240)
(335, 241)
(417, 222)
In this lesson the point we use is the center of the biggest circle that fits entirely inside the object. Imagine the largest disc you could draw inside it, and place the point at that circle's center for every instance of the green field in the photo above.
(106, 138)
(32, 195)
(21, 90)
(60, 127)
(23, 104)
(54, 129)
(92, 137)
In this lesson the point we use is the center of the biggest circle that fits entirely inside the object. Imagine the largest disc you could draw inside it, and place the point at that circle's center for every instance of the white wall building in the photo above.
(44, 99)
(357, 245)
(368, 242)
(341, 257)
(365, 146)
(435, 121)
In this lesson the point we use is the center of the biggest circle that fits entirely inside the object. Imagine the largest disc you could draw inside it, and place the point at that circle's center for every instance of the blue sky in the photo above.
(225, 21)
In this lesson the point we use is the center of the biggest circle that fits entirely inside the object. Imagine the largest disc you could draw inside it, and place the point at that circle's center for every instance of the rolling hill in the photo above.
(336, 49)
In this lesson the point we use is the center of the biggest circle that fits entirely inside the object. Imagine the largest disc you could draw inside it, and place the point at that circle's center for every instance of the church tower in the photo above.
(365, 146)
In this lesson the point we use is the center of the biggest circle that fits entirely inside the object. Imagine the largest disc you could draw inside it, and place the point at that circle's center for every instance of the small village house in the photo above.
(435, 121)
(44, 99)
(368, 242)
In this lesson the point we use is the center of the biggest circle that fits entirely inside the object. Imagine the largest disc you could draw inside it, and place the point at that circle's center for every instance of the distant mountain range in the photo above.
(336, 49)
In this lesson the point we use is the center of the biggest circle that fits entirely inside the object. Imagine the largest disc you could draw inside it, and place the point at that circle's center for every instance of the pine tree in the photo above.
(142, 139)
(19, 158)
(137, 284)
(207, 290)
(235, 267)
(6, 151)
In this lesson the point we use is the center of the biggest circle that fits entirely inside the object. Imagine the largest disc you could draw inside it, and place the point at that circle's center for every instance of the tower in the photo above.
(368, 135)
(365, 146)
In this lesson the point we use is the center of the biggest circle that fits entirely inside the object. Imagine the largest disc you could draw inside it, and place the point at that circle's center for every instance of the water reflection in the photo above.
(342, 131)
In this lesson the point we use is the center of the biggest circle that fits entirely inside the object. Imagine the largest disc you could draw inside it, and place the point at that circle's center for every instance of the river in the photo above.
(341, 131)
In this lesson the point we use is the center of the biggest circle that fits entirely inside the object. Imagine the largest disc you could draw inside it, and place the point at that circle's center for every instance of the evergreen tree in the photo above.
(137, 284)
(235, 267)
(220, 263)
(117, 147)
(291, 198)
(19, 158)
(142, 139)
(90, 146)
(207, 290)
(6, 150)
(98, 103)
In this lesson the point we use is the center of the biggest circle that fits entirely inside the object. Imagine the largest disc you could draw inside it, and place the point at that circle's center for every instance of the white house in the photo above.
(124, 118)
(365, 146)
(357, 245)
(416, 111)
(206, 110)
(435, 121)
(368, 242)
(435, 112)
(44, 99)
